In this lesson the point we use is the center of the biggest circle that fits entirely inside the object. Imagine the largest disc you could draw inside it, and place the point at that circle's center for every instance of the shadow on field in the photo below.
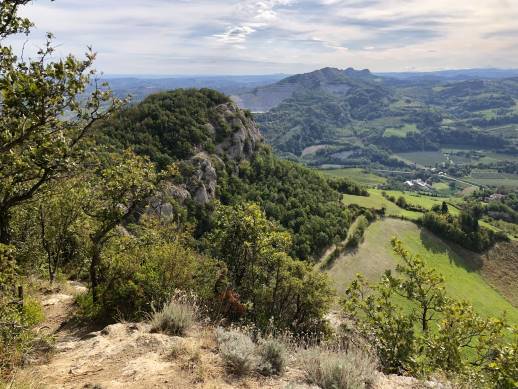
(331, 259)
(457, 255)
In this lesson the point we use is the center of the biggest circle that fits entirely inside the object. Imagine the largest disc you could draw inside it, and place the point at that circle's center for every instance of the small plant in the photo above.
(330, 369)
(273, 357)
(237, 351)
(176, 317)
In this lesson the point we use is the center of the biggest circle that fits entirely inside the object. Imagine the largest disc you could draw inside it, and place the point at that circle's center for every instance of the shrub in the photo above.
(273, 357)
(144, 269)
(337, 369)
(175, 318)
(237, 351)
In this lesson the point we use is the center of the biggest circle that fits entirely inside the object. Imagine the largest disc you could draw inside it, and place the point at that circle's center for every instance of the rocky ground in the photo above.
(127, 355)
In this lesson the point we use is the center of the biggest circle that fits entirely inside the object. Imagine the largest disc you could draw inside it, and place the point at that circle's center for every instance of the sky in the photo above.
(280, 36)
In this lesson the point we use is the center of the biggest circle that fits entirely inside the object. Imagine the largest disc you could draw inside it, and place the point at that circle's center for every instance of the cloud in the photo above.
(261, 36)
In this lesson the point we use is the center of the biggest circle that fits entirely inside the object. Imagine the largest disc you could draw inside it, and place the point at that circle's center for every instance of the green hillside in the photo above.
(463, 280)
(351, 111)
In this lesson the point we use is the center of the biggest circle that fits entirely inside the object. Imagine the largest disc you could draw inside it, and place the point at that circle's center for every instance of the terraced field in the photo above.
(493, 178)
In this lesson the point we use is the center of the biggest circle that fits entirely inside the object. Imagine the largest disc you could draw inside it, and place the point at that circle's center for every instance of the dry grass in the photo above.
(237, 350)
(500, 269)
(273, 357)
(176, 317)
(330, 369)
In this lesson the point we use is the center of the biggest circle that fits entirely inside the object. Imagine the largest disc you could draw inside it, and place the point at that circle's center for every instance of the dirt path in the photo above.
(129, 356)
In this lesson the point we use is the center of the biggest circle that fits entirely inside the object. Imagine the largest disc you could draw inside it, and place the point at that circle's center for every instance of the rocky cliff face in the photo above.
(201, 182)
(239, 145)
(246, 136)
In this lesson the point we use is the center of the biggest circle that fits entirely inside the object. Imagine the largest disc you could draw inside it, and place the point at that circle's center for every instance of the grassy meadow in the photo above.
(459, 267)
(376, 200)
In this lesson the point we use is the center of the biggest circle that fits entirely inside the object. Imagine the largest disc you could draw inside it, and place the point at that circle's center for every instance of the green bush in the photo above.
(273, 357)
(338, 369)
(144, 270)
(175, 318)
(237, 350)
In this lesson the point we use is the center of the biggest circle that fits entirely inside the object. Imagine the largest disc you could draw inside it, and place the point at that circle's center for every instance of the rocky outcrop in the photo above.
(201, 183)
(244, 140)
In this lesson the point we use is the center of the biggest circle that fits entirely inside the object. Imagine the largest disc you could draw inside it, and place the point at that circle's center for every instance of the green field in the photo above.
(463, 281)
(377, 201)
(442, 188)
(423, 158)
(422, 200)
(493, 178)
(400, 132)
(358, 175)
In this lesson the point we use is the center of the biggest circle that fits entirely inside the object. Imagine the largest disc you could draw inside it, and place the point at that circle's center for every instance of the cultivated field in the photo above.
(358, 175)
(376, 200)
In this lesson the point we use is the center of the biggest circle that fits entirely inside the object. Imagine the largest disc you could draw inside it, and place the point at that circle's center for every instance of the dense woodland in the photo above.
(106, 194)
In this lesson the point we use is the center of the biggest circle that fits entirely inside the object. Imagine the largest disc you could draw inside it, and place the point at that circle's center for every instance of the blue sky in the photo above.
(281, 36)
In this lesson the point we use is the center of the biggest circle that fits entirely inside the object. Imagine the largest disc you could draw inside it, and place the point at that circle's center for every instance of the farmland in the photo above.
(358, 175)
(377, 201)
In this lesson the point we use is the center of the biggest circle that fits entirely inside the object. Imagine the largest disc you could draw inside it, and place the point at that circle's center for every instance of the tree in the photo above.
(460, 342)
(271, 283)
(383, 322)
(401, 202)
(444, 207)
(58, 215)
(419, 284)
(45, 114)
(118, 187)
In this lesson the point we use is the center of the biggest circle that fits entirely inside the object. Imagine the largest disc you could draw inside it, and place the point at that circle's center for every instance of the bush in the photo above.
(273, 357)
(144, 269)
(337, 369)
(175, 318)
(237, 351)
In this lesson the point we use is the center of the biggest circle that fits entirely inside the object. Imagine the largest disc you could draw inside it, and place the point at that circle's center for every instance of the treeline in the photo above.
(464, 229)
(402, 203)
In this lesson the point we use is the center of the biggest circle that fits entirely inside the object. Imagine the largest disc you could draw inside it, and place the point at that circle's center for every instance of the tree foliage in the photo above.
(270, 283)
(430, 332)
(42, 121)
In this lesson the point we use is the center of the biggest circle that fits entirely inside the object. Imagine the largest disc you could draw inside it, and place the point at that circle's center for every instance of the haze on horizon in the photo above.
(281, 36)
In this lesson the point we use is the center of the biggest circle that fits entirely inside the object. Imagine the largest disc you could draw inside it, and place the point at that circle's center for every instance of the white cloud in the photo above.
(261, 36)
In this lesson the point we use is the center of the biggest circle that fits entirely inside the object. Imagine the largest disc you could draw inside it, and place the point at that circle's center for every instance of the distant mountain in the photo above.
(456, 74)
(141, 86)
(354, 117)
(328, 80)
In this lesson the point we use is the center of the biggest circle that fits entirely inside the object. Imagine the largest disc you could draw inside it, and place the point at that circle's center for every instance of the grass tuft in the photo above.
(330, 369)
(176, 317)
(237, 350)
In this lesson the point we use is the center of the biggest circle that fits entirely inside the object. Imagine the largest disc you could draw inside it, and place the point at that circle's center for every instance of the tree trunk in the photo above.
(424, 320)
(96, 258)
(5, 218)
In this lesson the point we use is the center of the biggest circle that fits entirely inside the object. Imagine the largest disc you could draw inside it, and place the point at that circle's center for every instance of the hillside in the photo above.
(130, 355)
(466, 273)
(221, 156)
(343, 113)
